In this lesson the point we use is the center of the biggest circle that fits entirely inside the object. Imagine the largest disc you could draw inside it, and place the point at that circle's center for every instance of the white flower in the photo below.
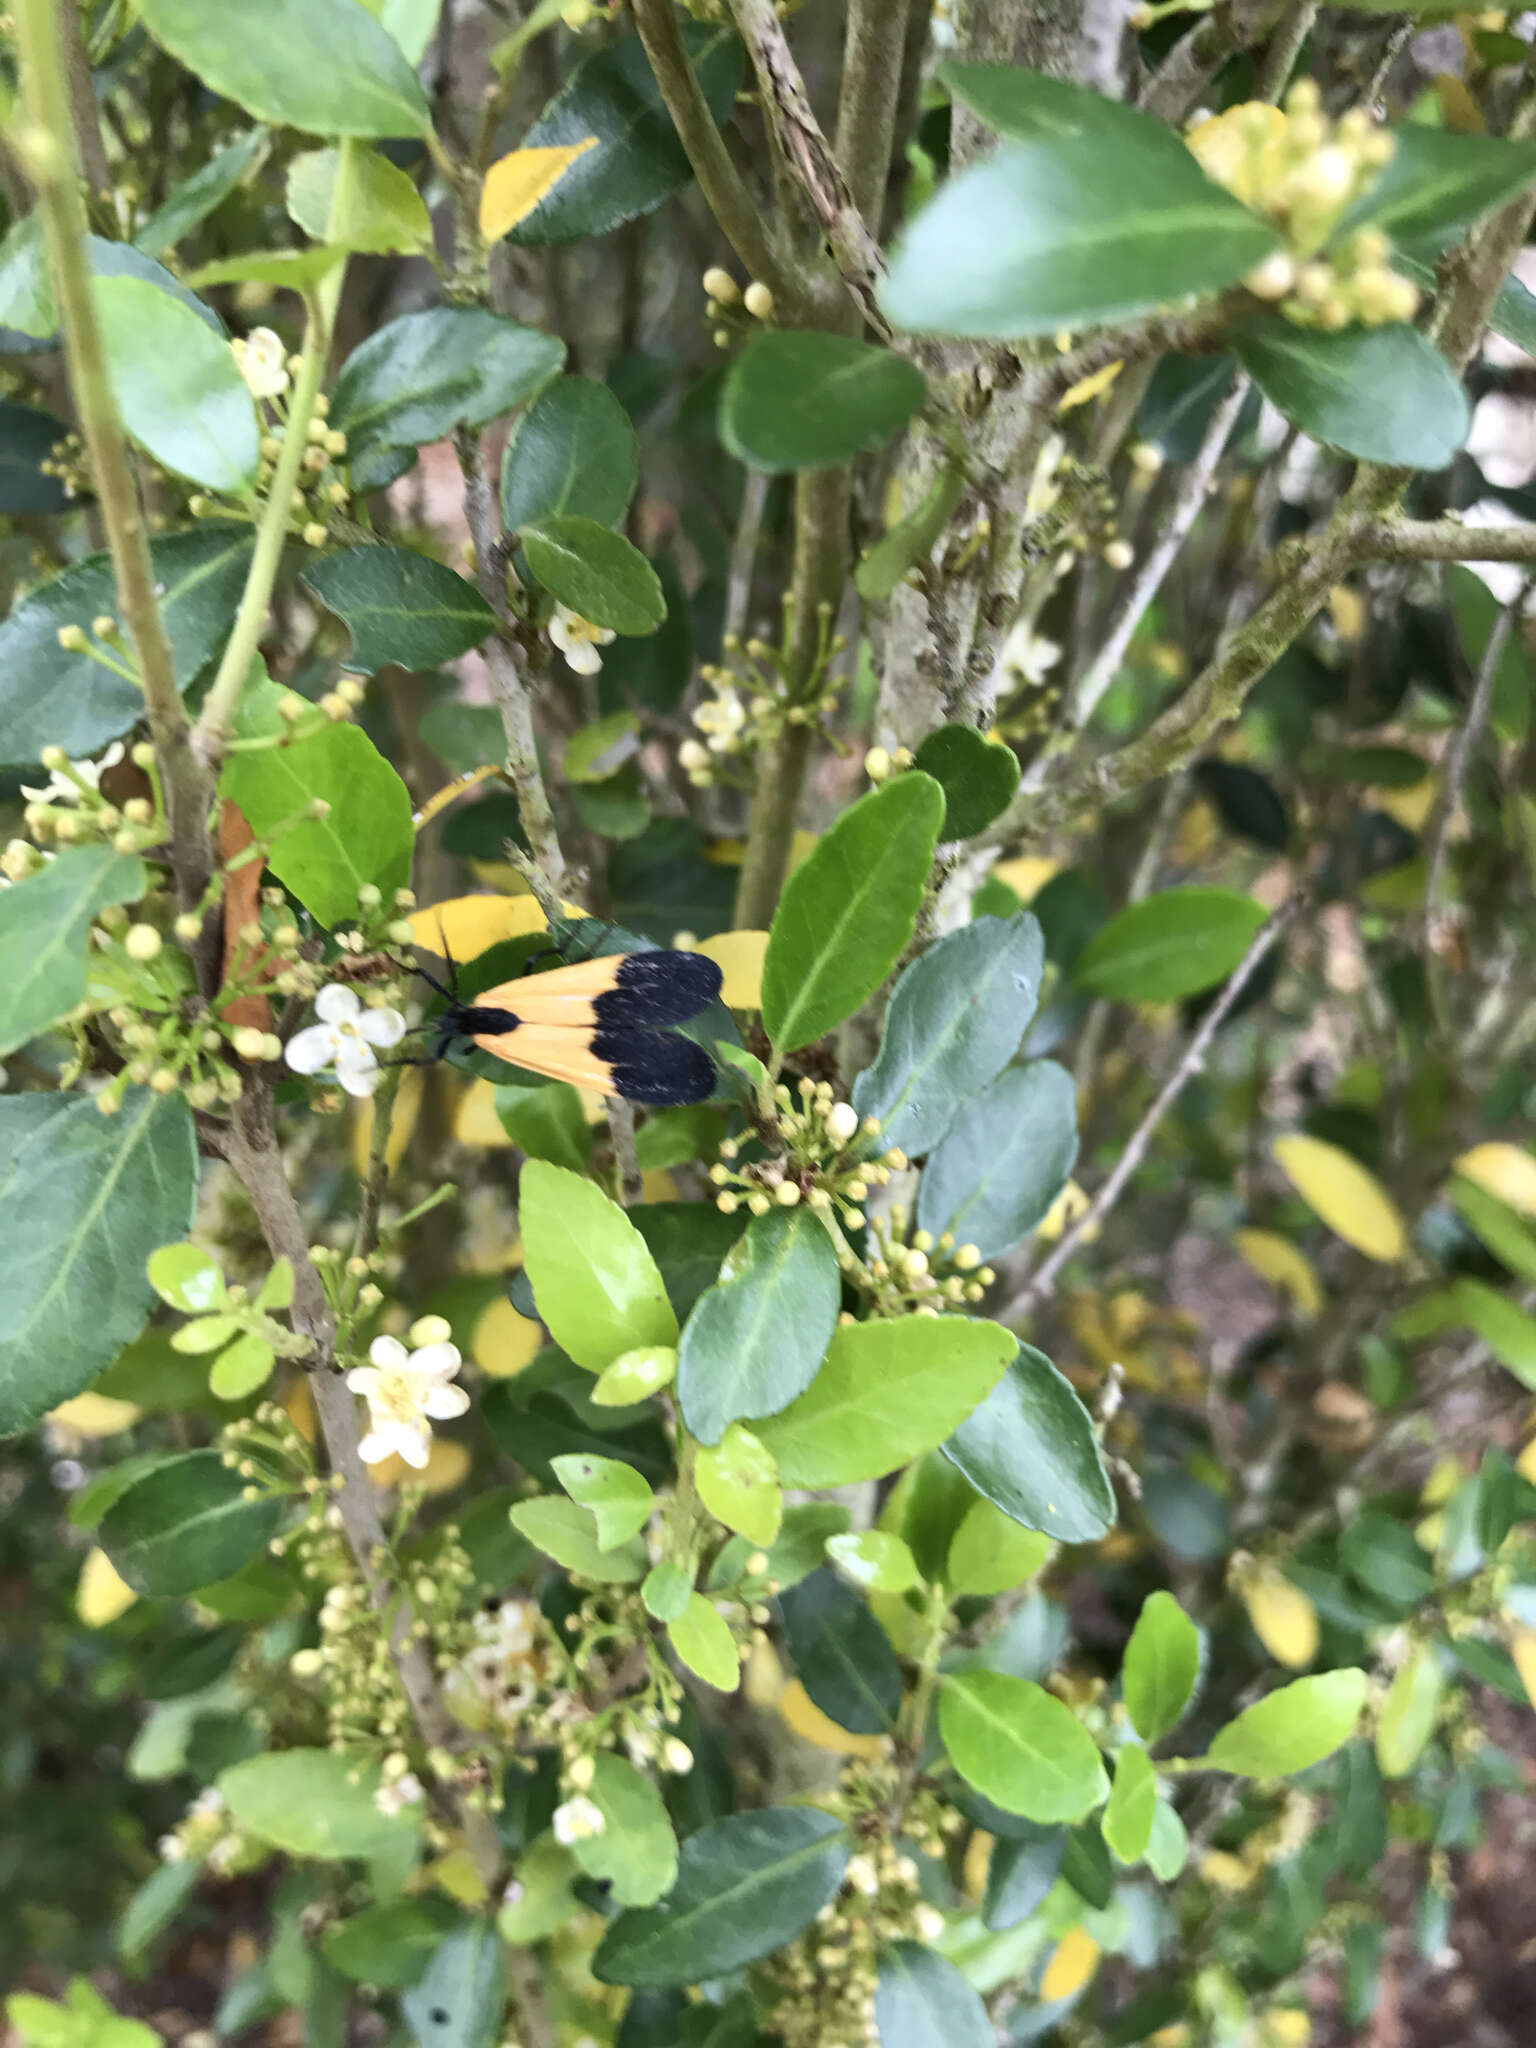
(172, 1849)
(209, 1800)
(930, 1922)
(343, 1041)
(577, 1821)
(578, 640)
(403, 1389)
(403, 1792)
(263, 362)
(722, 719)
(842, 1121)
(61, 789)
(1029, 655)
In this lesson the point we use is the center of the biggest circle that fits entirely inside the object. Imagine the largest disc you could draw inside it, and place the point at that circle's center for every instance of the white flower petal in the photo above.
(311, 1050)
(413, 1445)
(382, 1027)
(374, 1448)
(583, 657)
(337, 1004)
(388, 1351)
(362, 1379)
(359, 1079)
(437, 1361)
(443, 1403)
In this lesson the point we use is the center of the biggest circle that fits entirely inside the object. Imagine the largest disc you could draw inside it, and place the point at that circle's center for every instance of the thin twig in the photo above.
(749, 527)
(1284, 48)
(621, 1128)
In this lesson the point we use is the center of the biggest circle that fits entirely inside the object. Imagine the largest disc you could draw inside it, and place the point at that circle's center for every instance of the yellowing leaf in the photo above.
(1522, 1647)
(1284, 1619)
(475, 1121)
(1410, 807)
(1287, 2027)
(516, 183)
(1226, 1872)
(1507, 1171)
(1087, 388)
(656, 1184)
(1346, 608)
(402, 1124)
(504, 1341)
(471, 924)
(455, 1874)
(1283, 1265)
(739, 956)
(1525, 1464)
(1351, 1201)
(800, 1713)
(100, 1595)
(447, 1464)
(1064, 1212)
(1027, 874)
(728, 853)
(96, 1415)
(973, 1875)
(1071, 1967)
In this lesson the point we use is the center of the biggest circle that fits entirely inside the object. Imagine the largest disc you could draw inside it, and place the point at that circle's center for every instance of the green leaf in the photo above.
(294, 270)
(978, 777)
(186, 1524)
(401, 608)
(1169, 946)
(922, 2001)
(702, 1638)
(955, 1019)
(45, 924)
(1293, 1728)
(1511, 1241)
(613, 1493)
(807, 1528)
(1003, 1161)
(848, 911)
(1476, 611)
(666, 1591)
(911, 540)
(240, 1370)
(796, 399)
(1020, 1747)
(1020, 1871)
(875, 1560)
(573, 450)
(1127, 1819)
(841, 1654)
(635, 1376)
(739, 1484)
(755, 1339)
(636, 1853)
(1505, 1327)
(27, 439)
(746, 1885)
(594, 1279)
(543, 1901)
(153, 1907)
(1069, 231)
(187, 1277)
(1030, 1449)
(417, 378)
(638, 161)
(1162, 1665)
(313, 1802)
(1409, 1711)
(1168, 1845)
(886, 1392)
(547, 1123)
(568, 1534)
(26, 291)
(382, 213)
(410, 22)
(1029, 106)
(1384, 394)
(1176, 408)
(323, 66)
(177, 385)
(84, 1200)
(194, 198)
(1436, 183)
(365, 837)
(388, 1945)
(992, 1553)
(595, 572)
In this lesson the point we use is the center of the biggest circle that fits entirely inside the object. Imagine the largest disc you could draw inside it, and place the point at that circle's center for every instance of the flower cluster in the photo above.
(755, 697)
(919, 1274)
(497, 1678)
(70, 808)
(825, 1159)
(407, 1391)
(321, 489)
(730, 310)
(207, 1835)
(347, 1040)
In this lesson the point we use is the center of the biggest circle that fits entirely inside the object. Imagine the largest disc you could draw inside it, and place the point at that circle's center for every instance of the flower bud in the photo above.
(842, 1121)
(721, 286)
(877, 764)
(758, 300)
(142, 942)
(429, 1330)
(104, 626)
(249, 1043)
(72, 640)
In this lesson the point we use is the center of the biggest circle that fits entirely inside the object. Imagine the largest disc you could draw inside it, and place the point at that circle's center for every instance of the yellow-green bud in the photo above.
(314, 535)
(721, 286)
(249, 1043)
(142, 942)
(188, 926)
(788, 1194)
(430, 1330)
(104, 626)
(758, 300)
(54, 758)
(877, 764)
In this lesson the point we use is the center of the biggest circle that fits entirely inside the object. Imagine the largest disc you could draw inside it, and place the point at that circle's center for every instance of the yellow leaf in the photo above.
(799, 1712)
(1283, 1265)
(729, 853)
(1506, 1171)
(402, 1125)
(762, 1674)
(1027, 874)
(1458, 110)
(475, 1121)
(978, 1854)
(1226, 1872)
(472, 923)
(1444, 1477)
(299, 1406)
(447, 1464)
(94, 1415)
(455, 1874)
(1064, 1212)
(516, 183)
(504, 1341)
(739, 956)
(1287, 2026)
(1522, 1648)
(1352, 1202)
(1071, 1967)
(1427, 1533)
(1088, 388)
(1284, 1619)
(1346, 608)
(657, 1185)
(100, 1595)
(1525, 1464)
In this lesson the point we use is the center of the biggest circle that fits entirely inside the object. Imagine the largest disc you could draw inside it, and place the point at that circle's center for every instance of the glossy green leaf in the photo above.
(1127, 1819)
(1291, 1729)
(1381, 1553)
(1512, 1242)
(568, 1534)
(848, 910)
(381, 212)
(978, 777)
(1168, 1844)
(666, 1591)
(799, 1550)
(542, 1901)
(595, 572)
(635, 1376)
(1178, 403)
(293, 270)
(1476, 611)
(1384, 394)
(1069, 232)
(1505, 1327)
(27, 439)
(1437, 182)
(323, 66)
(955, 1019)
(194, 198)
(1029, 106)
(875, 1560)
(1003, 1161)
(52, 698)
(922, 2001)
(573, 450)
(1030, 1448)
(739, 1483)
(417, 378)
(702, 1638)
(187, 1277)
(594, 1279)
(1020, 1871)
(364, 838)
(613, 1493)
(1169, 946)
(26, 291)
(84, 1200)
(886, 1392)
(841, 1654)
(388, 1945)
(992, 1553)
(636, 1853)
(755, 1339)
(796, 399)
(154, 1907)
(1408, 1713)
(460, 1999)
(245, 1366)
(186, 1524)
(547, 1123)
(45, 924)
(1162, 1666)
(400, 607)
(177, 385)
(745, 1886)
(638, 161)
(1020, 1746)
